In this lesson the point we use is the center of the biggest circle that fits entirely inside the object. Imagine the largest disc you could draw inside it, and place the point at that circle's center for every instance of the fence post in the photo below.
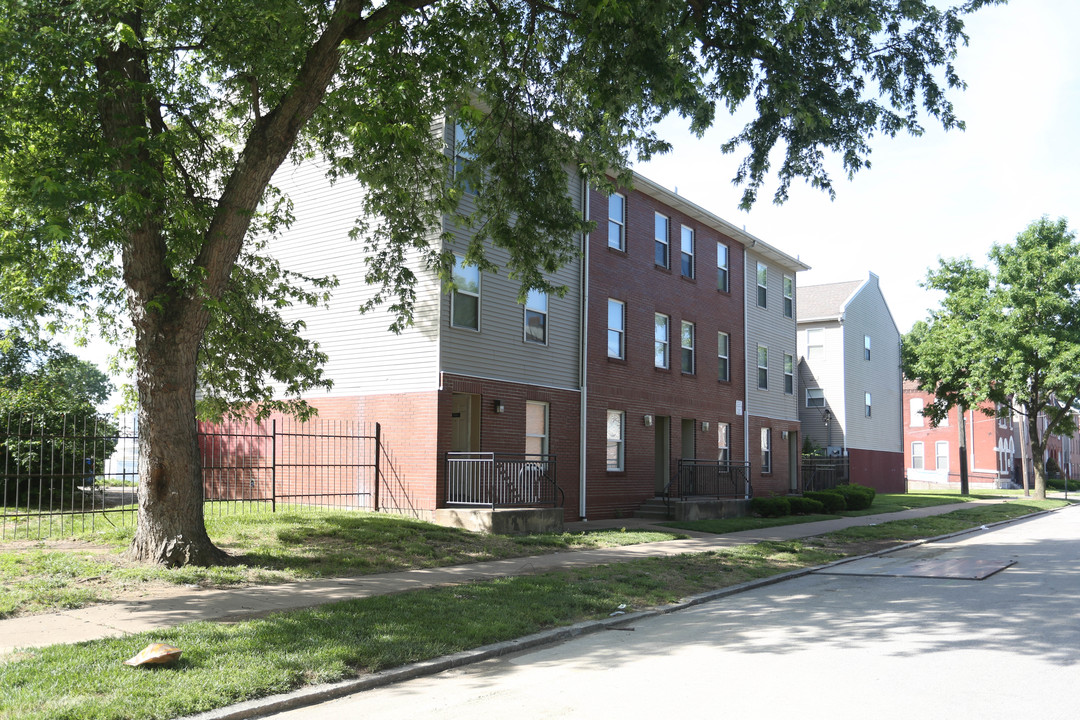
(378, 450)
(273, 465)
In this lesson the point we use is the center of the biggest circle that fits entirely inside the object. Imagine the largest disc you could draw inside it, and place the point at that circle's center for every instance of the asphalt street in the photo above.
(906, 635)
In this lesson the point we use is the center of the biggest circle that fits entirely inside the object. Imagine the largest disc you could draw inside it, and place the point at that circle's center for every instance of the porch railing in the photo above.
(711, 478)
(501, 480)
(825, 473)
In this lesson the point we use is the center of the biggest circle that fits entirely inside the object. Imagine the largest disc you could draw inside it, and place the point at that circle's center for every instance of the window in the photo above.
(766, 450)
(688, 347)
(723, 446)
(815, 344)
(660, 233)
(616, 329)
(465, 300)
(616, 224)
(536, 312)
(687, 252)
(723, 352)
(915, 406)
(789, 375)
(661, 339)
(762, 368)
(815, 397)
(762, 284)
(866, 347)
(789, 297)
(941, 455)
(721, 267)
(916, 456)
(462, 157)
(869, 405)
(536, 428)
(616, 426)
(944, 421)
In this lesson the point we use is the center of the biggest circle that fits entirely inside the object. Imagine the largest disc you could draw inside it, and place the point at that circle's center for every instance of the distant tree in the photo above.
(49, 422)
(138, 141)
(1009, 333)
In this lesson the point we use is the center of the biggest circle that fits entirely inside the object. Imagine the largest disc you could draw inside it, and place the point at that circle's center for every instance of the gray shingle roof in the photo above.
(819, 302)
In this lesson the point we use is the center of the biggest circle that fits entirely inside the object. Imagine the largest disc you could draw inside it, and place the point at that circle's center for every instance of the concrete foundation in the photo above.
(508, 521)
(709, 509)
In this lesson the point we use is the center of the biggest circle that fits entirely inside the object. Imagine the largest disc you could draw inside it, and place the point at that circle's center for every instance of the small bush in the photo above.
(771, 506)
(857, 497)
(833, 501)
(805, 506)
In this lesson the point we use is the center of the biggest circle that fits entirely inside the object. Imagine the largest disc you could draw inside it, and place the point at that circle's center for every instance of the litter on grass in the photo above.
(155, 654)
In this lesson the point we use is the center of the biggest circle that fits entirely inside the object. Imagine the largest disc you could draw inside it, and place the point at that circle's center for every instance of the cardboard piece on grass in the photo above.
(155, 654)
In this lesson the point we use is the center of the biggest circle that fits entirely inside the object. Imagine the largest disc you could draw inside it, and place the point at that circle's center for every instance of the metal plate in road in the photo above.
(943, 568)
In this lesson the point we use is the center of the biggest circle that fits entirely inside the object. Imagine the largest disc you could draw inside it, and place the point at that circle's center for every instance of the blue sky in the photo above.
(940, 195)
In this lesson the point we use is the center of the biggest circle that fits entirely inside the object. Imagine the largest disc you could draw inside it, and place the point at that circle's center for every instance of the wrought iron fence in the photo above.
(711, 478)
(501, 480)
(62, 474)
(825, 473)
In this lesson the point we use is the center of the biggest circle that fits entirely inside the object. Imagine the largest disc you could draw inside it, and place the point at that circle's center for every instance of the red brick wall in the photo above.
(505, 432)
(634, 385)
(778, 481)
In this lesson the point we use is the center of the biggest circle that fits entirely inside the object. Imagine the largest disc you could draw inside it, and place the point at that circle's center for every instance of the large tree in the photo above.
(1009, 333)
(138, 141)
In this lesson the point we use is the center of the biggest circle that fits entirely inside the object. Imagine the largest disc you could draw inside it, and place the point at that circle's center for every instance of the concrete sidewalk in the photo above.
(125, 618)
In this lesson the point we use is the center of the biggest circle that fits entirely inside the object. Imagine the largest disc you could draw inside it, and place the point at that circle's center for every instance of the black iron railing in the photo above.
(825, 473)
(501, 480)
(711, 478)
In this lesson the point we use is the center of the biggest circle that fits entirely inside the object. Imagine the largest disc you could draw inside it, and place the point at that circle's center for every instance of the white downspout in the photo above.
(584, 353)
(746, 368)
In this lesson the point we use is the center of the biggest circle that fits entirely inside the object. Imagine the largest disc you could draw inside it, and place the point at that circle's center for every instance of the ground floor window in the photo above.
(616, 428)
(916, 456)
(722, 442)
(941, 456)
(766, 450)
(536, 428)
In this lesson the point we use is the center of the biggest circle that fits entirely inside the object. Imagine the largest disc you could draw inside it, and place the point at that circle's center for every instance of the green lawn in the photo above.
(269, 548)
(226, 663)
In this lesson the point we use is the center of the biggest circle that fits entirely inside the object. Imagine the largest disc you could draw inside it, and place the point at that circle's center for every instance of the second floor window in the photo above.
(789, 375)
(915, 408)
(536, 313)
(866, 347)
(465, 300)
(616, 227)
(815, 397)
(687, 252)
(688, 347)
(616, 329)
(789, 297)
(660, 233)
(815, 344)
(869, 406)
(723, 354)
(762, 368)
(662, 340)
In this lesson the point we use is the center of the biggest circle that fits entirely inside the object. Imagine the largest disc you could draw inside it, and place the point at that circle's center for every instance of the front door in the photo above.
(465, 422)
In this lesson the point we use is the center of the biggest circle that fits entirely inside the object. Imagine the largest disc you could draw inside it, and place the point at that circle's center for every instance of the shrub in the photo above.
(833, 501)
(857, 497)
(770, 506)
(805, 506)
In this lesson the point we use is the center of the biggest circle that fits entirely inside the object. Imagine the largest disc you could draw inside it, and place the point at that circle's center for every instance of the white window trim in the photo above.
(764, 367)
(621, 330)
(666, 342)
(921, 455)
(789, 374)
(938, 454)
(459, 260)
(866, 348)
(683, 346)
(546, 437)
(621, 222)
(762, 287)
(723, 442)
(789, 296)
(683, 234)
(725, 357)
(868, 403)
(917, 418)
(665, 241)
(811, 389)
(766, 451)
(525, 317)
(621, 440)
(815, 333)
(723, 270)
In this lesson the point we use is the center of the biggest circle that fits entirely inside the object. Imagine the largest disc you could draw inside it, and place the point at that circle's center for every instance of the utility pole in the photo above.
(963, 452)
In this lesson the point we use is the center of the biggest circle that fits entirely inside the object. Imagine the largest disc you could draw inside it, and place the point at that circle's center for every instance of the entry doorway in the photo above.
(465, 422)
(662, 452)
(689, 444)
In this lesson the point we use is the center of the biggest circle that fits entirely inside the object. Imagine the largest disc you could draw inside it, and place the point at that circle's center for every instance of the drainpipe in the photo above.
(746, 365)
(583, 352)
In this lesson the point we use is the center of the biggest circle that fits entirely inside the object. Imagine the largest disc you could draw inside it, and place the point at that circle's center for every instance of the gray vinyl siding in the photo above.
(769, 328)
(867, 314)
(827, 374)
(498, 350)
(364, 356)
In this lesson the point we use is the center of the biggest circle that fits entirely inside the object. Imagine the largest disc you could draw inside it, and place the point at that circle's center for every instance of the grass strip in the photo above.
(269, 548)
(227, 663)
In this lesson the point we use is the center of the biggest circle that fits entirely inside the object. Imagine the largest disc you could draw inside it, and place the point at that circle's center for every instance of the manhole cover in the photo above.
(944, 568)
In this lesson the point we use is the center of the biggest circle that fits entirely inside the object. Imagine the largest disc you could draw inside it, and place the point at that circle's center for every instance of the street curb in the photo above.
(315, 694)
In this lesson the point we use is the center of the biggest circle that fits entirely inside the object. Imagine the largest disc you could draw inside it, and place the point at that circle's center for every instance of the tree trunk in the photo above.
(1038, 449)
(170, 528)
